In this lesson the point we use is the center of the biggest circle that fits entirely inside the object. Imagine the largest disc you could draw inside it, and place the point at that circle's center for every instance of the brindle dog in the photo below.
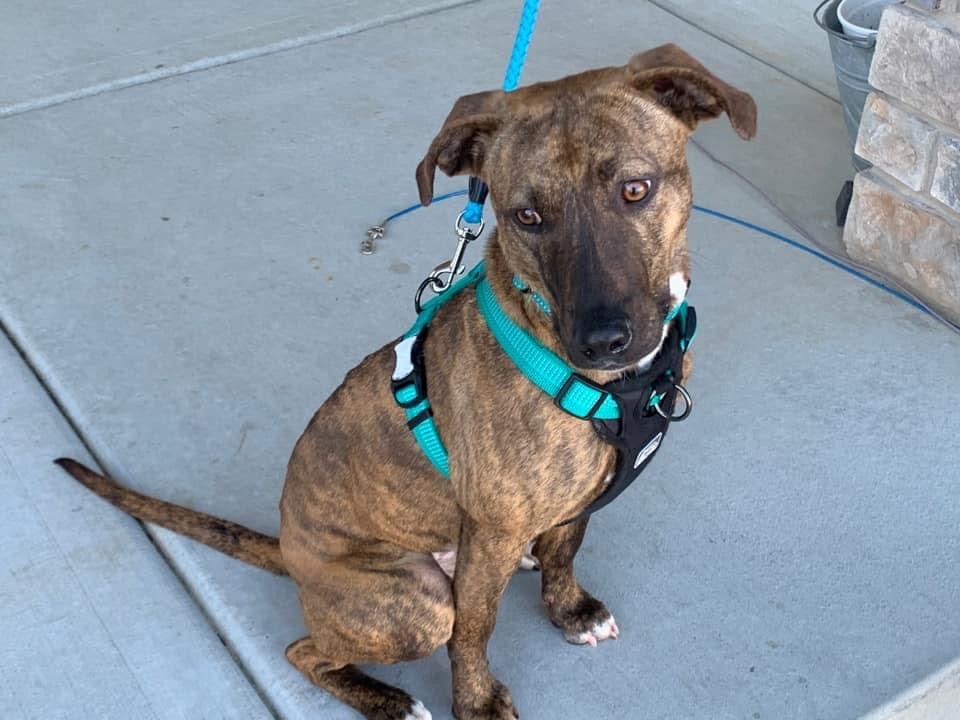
(590, 183)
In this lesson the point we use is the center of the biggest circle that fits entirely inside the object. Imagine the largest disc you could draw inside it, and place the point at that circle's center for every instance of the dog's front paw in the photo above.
(604, 630)
(418, 712)
(584, 622)
(497, 705)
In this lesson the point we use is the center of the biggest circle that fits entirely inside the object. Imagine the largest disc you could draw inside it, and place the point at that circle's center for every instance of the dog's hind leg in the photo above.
(371, 610)
(373, 699)
(583, 619)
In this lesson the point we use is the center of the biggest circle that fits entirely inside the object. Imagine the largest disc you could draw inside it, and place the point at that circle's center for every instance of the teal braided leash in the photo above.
(473, 212)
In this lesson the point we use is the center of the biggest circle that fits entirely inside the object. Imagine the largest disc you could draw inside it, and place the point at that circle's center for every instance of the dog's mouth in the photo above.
(647, 360)
(622, 338)
(638, 363)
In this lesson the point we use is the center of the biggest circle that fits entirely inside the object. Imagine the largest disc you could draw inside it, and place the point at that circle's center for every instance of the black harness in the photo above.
(632, 413)
(647, 402)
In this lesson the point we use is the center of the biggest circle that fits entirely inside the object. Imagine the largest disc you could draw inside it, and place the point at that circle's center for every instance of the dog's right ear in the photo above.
(690, 91)
(459, 147)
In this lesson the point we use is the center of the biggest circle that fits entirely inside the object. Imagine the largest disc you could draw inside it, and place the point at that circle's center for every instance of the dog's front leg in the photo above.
(486, 559)
(583, 619)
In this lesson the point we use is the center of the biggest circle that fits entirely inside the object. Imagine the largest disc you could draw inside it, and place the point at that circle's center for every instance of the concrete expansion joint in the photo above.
(216, 61)
(756, 58)
(935, 697)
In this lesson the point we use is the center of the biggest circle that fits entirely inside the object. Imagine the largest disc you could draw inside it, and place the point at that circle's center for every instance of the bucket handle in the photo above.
(818, 18)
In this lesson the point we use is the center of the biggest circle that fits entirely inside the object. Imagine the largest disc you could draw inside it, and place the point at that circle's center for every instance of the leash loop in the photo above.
(687, 405)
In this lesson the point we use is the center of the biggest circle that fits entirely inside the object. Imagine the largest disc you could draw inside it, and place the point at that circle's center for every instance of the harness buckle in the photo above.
(408, 373)
(572, 382)
(414, 381)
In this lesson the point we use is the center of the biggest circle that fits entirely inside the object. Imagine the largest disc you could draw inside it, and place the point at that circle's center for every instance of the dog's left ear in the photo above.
(459, 147)
(690, 91)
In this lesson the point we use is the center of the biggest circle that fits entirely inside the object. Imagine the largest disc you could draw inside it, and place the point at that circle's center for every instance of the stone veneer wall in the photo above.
(904, 218)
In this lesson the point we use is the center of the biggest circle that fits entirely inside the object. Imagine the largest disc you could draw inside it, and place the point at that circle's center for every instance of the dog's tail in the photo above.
(227, 537)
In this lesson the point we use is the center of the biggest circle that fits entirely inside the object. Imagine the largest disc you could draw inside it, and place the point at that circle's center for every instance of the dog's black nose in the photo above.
(606, 340)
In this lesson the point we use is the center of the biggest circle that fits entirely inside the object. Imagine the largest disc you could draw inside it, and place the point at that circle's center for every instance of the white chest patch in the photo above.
(678, 287)
(647, 359)
(678, 292)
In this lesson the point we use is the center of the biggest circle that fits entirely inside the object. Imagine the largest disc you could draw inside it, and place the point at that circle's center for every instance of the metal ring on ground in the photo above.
(688, 406)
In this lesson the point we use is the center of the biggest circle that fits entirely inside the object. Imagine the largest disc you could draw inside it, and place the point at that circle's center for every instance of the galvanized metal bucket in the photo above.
(851, 63)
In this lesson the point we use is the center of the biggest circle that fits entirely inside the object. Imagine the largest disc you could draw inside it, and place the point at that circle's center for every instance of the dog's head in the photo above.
(589, 179)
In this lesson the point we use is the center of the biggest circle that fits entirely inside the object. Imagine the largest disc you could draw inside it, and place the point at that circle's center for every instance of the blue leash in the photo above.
(819, 255)
(763, 231)
(477, 191)
(528, 21)
(473, 212)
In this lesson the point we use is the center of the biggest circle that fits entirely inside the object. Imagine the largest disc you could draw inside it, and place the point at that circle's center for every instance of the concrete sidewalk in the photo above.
(93, 622)
(179, 266)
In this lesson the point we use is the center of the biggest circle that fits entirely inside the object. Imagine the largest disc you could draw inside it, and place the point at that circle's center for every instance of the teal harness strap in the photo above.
(473, 212)
(408, 384)
(571, 392)
(431, 307)
(424, 429)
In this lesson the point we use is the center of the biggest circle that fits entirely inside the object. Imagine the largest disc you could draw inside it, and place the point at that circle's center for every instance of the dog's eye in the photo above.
(529, 217)
(636, 190)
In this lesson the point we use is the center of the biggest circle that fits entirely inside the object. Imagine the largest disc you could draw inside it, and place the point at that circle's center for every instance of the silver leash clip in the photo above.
(442, 277)
(368, 244)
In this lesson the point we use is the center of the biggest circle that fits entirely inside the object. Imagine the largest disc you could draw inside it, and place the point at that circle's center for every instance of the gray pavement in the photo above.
(93, 622)
(178, 265)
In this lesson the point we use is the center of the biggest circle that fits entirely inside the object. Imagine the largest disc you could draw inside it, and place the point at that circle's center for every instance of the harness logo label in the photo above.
(649, 449)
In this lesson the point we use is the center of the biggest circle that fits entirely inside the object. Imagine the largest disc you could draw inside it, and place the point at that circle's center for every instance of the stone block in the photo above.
(896, 141)
(897, 234)
(917, 60)
(946, 172)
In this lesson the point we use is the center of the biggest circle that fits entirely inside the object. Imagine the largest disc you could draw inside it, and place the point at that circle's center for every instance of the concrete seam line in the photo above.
(943, 681)
(7, 334)
(673, 13)
(215, 61)
(837, 254)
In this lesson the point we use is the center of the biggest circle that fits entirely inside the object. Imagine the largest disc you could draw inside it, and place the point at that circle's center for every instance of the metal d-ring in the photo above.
(418, 298)
(465, 231)
(688, 405)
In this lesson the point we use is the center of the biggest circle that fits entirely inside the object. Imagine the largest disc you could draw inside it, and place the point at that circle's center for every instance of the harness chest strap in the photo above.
(629, 413)
(409, 383)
